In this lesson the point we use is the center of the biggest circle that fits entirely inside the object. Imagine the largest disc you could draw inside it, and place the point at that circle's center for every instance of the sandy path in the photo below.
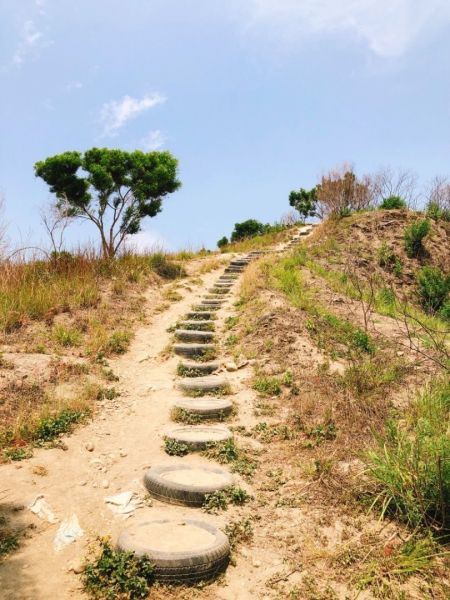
(127, 438)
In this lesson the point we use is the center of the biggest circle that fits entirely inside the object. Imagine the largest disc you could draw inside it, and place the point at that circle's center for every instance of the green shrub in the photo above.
(389, 260)
(117, 574)
(444, 311)
(50, 427)
(175, 448)
(392, 202)
(414, 236)
(434, 288)
(222, 242)
(117, 343)
(66, 337)
(436, 212)
(411, 464)
(267, 386)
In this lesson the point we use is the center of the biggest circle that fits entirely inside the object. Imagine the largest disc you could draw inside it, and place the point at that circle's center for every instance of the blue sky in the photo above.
(255, 98)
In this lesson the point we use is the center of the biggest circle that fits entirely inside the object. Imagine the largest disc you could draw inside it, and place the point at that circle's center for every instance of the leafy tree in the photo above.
(247, 229)
(304, 202)
(222, 242)
(113, 189)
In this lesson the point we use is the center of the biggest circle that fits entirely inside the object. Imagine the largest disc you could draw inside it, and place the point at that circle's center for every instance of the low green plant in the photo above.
(411, 464)
(220, 499)
(52, 426)
(239, 532)
(392, 202)
(389, 260)
(66, 336)
(17, 453)
(434, 288)
(414, 236)
(175, 448)
(267, 386)
(231, 322)
(417, 556)
(229, 453)
(231, 340)
(180, 415)
(117, 343)
(115, 574)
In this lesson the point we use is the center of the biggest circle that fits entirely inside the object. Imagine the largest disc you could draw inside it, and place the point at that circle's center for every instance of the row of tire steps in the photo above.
(199, 551)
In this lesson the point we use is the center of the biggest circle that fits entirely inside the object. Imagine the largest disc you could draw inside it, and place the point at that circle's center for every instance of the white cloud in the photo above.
(30, 39)
(389, 27)
(74, 85)
(115, 114)
(146, 241)
(154, 140)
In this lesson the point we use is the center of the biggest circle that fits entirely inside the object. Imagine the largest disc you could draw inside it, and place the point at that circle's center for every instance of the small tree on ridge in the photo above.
(112, 189)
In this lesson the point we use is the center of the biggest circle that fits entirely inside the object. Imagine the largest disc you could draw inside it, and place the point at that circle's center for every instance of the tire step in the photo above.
(185, 564)
(206, 408)
(179, 483)
(192, 335)
(213, 302)
(201, 314)
(198, 369)
(213, 383)
(199, 437)
(193, 349)
(197, 325)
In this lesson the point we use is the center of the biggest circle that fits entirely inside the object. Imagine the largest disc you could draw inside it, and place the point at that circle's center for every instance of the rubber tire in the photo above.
(199, 369)
(182, 567)
(206, 412)
(193, 349)
(204, 385)
(192, 335)
(200, 444)
(176, 493)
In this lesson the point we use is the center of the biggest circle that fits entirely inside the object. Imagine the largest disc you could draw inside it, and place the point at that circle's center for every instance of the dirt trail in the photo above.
(127, 438)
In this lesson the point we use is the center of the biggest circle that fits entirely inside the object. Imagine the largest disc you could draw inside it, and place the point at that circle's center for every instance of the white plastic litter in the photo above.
(41, 508)
(124, 503)
(68, 532)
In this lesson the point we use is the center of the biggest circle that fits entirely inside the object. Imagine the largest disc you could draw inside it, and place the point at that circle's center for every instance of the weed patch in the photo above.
(116, 574)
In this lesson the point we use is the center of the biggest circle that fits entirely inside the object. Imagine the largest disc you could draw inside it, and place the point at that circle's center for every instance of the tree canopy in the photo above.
(112, 188)
(304, 202)
(247, 229)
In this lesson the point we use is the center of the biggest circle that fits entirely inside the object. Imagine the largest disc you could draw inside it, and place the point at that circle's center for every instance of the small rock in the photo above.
(76, 566)
(82, 483)
(400, 353)
(123, 453)
(256, 563)
(90, 447)
(231, 366)
(105, 484)
(242, 363)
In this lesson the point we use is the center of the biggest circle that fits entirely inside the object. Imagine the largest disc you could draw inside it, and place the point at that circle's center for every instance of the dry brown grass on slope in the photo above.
(320, 401)
(357, 244)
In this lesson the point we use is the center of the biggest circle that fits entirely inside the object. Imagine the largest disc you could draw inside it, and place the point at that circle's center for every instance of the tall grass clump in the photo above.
(33, 289)
(411, 464)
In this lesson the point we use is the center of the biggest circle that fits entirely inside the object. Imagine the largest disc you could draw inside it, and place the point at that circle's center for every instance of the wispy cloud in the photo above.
(30, 39)
(116, 113)
(389, 27)
(154, 140)
(74, 85)
(146, 241)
